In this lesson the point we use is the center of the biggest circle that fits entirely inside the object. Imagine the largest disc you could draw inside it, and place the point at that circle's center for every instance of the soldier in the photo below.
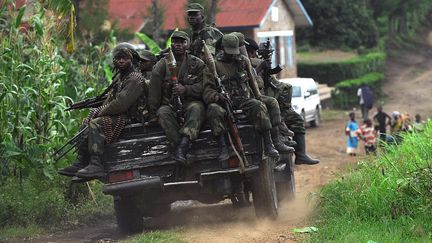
(147, 61)
(191, 73)
(200, 30)
(283, 93)
(270, 102)
(124, 103)
(236, 74)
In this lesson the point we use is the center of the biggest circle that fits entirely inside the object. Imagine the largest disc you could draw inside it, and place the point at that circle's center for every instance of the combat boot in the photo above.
(181, 150)
(93, 170)
(269, 148)
(300, 151)
(284, 130)
(71, 170)
(223, 151)
(277, 142)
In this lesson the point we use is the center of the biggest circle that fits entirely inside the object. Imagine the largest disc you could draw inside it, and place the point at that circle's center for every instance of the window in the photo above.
(296, 91)
(275, 14)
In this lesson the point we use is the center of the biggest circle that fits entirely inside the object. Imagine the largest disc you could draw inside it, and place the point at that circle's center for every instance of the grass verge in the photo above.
(172, 236)
(385, 199)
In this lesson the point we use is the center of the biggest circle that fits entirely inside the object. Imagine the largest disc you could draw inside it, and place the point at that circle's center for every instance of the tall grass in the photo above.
(37, 80)
(385, 199)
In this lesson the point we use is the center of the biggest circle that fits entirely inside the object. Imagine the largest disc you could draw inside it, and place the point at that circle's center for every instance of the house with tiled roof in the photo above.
(258, 19)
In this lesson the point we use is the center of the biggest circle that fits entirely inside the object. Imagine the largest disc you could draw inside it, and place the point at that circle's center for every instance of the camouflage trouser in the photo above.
(283, 94)
(257, 114)
(216, 119)
(194, 114)
(273, 109)
(101, 131)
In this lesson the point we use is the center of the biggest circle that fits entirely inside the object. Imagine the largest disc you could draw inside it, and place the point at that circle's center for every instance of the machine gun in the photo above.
(71, 144)
(265, 51)
(234, 135)
(176, 103)
(95, 101)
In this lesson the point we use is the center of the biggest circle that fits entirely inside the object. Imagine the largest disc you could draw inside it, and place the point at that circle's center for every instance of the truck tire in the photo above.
(156, 210)
(286, 189)
(129, 218)
(264, 191)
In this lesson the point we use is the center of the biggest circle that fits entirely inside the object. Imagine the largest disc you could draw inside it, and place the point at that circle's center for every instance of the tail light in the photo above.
(118, 176)
(233, 162)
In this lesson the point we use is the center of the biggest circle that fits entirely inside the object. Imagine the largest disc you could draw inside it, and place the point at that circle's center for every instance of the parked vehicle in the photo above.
(144, 180)
(306, 99)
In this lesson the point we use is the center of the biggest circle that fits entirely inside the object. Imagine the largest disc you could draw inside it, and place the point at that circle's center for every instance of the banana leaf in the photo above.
(154, 47)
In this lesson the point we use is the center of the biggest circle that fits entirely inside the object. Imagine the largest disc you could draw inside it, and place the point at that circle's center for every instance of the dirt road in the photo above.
(408, 88)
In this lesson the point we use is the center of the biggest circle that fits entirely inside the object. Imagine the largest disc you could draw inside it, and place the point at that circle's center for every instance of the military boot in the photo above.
(94, 170)
(71, 170)
(181, 150)
(277, 142)
(284, 130)
(300, 151)
(269, 148)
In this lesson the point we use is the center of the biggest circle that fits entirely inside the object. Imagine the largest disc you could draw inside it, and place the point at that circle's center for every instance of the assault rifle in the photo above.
(71, 144)
(265, 50)
(95, 101)
(176, 103)
(234, 135)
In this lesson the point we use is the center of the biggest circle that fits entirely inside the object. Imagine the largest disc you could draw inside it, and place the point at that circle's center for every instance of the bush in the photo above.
(345, 93)
(331, 73)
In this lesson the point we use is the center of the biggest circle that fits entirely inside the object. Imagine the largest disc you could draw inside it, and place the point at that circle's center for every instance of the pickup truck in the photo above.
(144, 180)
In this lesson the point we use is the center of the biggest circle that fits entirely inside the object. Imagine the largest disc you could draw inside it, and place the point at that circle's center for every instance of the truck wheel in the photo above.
(317, 118)
(286, 189)
(129, 218)
(264, 191)
(156, 210)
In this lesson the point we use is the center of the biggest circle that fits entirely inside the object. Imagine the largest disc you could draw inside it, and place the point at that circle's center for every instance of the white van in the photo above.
(305, 99)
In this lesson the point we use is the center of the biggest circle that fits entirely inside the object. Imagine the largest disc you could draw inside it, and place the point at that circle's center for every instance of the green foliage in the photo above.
(345, 94)
(333, 72)
(386, 199)
(154, 47)
(340, 23)
(157, 236)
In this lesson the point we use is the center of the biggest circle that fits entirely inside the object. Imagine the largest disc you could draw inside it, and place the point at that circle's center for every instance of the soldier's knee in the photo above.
(215, 110)
(164, 111)
(96, 123)
(196, 108)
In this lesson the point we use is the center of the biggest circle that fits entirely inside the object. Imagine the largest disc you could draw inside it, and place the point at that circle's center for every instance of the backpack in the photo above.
(368, 96)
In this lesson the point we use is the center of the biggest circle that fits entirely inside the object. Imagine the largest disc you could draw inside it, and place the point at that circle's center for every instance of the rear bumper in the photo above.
(155, 183)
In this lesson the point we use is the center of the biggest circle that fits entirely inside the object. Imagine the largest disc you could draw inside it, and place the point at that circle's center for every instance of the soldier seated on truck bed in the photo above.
(178, 106)
(235, 72)
(125, 103)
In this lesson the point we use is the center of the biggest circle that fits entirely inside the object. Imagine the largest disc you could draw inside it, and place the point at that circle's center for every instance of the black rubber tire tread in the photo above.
(314, 123)
(286, 190)
(264, 191)
(129, 218)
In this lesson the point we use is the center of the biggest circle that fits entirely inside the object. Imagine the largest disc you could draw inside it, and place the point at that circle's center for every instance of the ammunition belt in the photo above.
(112, 133)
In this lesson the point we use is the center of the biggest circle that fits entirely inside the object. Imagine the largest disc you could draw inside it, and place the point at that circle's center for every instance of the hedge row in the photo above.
(331, 73)
(345, 93)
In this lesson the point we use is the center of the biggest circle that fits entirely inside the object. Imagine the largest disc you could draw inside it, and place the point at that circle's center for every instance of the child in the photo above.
(352, 131)
(368, 136)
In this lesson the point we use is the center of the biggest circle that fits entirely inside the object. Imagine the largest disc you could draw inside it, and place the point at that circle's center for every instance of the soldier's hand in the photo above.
(221, 99)
(179, 90)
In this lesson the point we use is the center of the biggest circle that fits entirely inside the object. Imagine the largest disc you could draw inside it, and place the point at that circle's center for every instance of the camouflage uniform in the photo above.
(208, 33)
(283, 94)
(191, 73)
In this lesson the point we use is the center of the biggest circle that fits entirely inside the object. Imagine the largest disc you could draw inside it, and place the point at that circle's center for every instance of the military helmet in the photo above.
(127, 49)
(146, 55)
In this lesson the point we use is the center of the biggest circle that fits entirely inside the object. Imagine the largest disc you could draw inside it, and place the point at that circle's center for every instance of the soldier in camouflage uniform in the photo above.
(147, 61)
(124, 103)
(236, 74)
(283, 93)
(200, 31)
(271, 103)
(191, 73)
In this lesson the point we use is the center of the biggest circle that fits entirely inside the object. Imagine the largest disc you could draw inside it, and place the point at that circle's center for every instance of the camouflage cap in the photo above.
(180, 34)
(146, 55)
(194, 7)
(241, 37)
(230, 44)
